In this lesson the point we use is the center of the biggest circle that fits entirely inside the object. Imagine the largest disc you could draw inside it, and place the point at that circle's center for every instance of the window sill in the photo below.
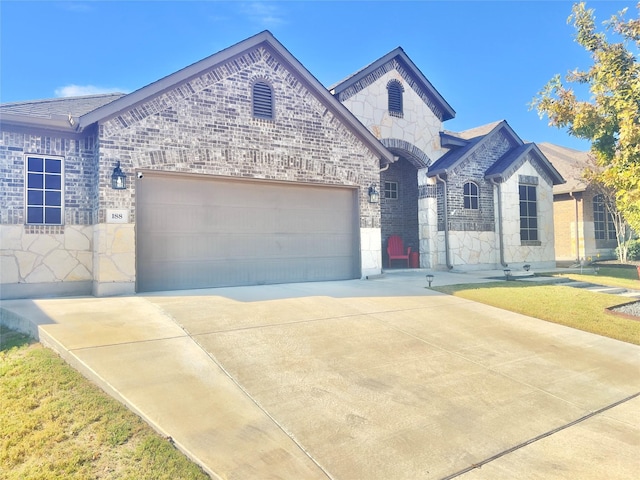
(530, 243)
(32, 229)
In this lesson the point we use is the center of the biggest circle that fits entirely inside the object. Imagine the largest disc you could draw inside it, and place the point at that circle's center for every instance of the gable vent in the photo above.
(394, 89)
(262, 100)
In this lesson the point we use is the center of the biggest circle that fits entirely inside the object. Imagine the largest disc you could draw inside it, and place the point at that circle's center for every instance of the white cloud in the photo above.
(264, 13)
(80, 90)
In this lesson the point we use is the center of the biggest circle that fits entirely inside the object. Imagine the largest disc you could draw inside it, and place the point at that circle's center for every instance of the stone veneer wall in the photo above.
(205, 126)
(516, 253)
(416, 136)
(474, 243)
(418, 126)
(52, 259)
(49, 260)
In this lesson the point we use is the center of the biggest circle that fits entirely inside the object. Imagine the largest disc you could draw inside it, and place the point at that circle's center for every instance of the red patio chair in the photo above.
(395, 249)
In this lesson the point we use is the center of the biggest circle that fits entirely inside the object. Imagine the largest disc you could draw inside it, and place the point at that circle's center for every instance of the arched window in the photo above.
(470, 195)
(603, 226)
(395, 90)
(262, 100)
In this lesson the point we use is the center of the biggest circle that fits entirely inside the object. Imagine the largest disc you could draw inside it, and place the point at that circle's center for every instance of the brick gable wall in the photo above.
(206, 126)
(473, 169)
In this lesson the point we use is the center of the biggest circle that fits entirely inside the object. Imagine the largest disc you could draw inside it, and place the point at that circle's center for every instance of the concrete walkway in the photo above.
(363, 379)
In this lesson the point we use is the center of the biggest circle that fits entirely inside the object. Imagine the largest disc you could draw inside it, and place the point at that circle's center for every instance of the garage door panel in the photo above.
(237, 247)
(196, 232)
(242, 272)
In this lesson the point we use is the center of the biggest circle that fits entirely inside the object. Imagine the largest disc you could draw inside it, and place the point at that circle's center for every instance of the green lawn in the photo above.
(55, 424)
(619, 276)
(568, 306)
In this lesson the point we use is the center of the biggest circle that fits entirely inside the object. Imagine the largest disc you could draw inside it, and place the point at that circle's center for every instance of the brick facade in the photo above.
(80, 173)
(199, 121)
(473, 170)
(202, 125)
(206, 127)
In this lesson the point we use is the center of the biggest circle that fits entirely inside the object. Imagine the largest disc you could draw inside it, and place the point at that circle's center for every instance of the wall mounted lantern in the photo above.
(429, 279)
(374, 195)
(507, 273)
(118, 178)
(527, 267)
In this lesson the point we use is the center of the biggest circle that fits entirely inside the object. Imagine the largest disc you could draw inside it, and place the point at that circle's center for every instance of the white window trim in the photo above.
(26, 187)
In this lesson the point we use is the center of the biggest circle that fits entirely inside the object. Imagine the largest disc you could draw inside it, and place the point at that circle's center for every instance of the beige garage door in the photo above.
(198, 232)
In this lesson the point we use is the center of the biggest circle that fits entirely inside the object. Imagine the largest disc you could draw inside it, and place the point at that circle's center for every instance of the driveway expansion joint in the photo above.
(540, 437)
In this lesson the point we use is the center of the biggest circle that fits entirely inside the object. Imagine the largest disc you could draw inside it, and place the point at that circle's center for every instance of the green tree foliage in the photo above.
(610, 119)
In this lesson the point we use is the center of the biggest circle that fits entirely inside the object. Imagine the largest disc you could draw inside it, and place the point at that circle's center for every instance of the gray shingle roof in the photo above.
(51, 107)
(500, 167)
(476, 131)
(570, 163)
(452, 157)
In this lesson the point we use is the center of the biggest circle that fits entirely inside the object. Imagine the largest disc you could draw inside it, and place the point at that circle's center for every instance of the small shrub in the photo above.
(634, 250)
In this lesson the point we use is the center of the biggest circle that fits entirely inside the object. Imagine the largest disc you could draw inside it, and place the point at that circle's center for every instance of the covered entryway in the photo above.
(399, 206)
(198, 232)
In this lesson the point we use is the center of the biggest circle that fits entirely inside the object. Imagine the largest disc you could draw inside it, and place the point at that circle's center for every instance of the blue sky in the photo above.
(487, 58)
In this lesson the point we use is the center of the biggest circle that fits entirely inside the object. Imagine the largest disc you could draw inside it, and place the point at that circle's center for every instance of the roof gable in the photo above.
(395, 60)
(504, 166)
(450, 160)
(233, 59)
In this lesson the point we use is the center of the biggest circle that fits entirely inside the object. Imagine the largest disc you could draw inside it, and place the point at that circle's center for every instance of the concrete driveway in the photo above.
(379, 379)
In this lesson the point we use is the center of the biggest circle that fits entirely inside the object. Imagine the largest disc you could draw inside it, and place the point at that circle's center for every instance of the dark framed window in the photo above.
(44, 190)
(262, 100)
(470, 195)
(528, 213)
(391, 190)
(395, 91)
(603, 225)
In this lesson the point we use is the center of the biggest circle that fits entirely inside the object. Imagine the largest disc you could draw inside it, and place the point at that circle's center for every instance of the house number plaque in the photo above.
(117, 216)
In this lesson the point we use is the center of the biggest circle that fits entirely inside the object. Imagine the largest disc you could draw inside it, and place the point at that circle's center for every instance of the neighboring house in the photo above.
(583, 227)
(480, 199)
(242, 169)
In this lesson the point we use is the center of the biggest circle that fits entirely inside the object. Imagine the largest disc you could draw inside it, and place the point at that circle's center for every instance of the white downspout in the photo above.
(500, 235)
(446, 221)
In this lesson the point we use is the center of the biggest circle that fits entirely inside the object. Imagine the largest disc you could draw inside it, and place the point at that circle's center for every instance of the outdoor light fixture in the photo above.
(507, 273)
(374, 195)
(526, 267)
(118, 178)
(429, 279)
